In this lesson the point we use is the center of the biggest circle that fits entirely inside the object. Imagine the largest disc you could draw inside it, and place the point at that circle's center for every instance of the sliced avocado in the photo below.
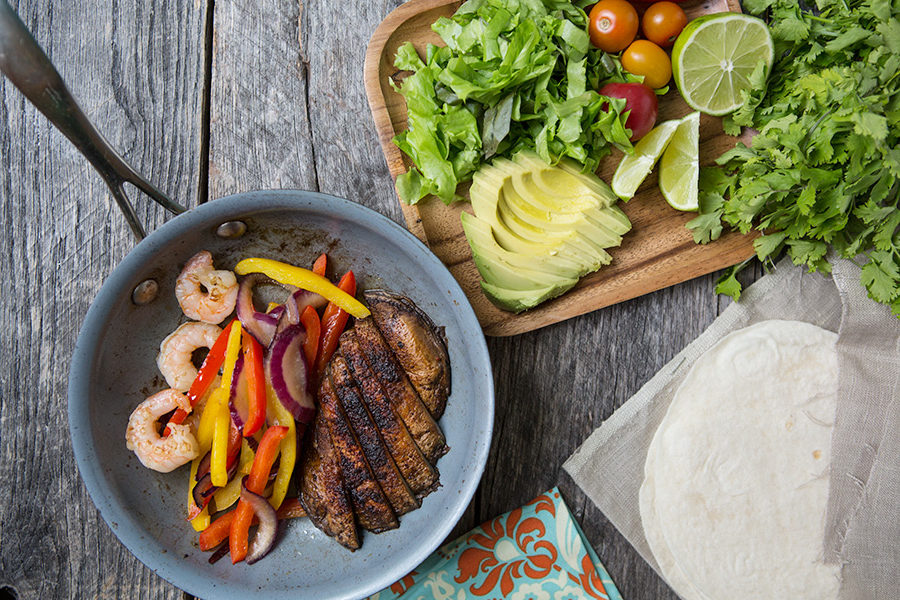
(538, 228)
(526, 208)
(611, 220)
(495, 269)
(516, 300)
(484, 202)
(558, 184)
(481, 239)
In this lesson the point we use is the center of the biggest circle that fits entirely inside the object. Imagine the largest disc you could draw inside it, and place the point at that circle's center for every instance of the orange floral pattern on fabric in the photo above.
(536, 552)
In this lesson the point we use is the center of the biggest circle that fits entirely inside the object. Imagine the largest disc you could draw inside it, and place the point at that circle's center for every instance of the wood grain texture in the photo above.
(657, 253)
(287, 110)
(136, 69)
(260, 135)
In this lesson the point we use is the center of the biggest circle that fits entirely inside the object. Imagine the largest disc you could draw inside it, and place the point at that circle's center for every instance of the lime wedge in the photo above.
(634, 168)
(679, 169)
(714, 56)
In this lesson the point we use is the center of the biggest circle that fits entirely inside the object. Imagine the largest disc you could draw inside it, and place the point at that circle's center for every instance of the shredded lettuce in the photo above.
(513, 75)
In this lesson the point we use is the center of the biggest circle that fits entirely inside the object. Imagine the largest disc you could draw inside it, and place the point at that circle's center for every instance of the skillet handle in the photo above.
(26, 65)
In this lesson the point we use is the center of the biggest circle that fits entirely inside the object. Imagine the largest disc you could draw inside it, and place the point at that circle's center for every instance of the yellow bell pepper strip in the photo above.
(279, 415)
(205, 376)
(218, 467)
(238, 538)
(228, 495)
(217, 398)
(256, 385)
(303, 279)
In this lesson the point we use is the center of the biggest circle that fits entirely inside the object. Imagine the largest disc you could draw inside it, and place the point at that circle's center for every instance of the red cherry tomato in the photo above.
(613, 25)
(640, 100)
(662, 23)
(646, 58)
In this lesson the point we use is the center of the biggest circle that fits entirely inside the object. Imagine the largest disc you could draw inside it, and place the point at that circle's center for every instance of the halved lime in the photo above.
(679, 169)
(634, 168)
(714, 56)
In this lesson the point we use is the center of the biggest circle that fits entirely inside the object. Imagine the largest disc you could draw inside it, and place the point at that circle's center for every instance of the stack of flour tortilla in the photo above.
(737, 474)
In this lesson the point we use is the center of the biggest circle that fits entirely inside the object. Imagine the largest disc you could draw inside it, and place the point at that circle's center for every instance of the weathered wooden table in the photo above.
(209, 98)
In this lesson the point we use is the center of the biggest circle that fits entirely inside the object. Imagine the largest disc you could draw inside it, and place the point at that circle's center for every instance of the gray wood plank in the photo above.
(349, 161)
(136, 68)
(259, 123)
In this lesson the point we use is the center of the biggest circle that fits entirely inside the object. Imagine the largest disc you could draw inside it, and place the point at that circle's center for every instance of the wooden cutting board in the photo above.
(658, 252)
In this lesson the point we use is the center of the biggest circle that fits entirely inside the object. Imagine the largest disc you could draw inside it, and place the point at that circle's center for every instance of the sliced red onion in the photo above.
(204, 489)
(304, 298)
(277, 312)
(288, 372)
(236, 417)
(268, 524)
(219, 552)
(295, 305)
(203, 466)
(261, 325)
(291, 310)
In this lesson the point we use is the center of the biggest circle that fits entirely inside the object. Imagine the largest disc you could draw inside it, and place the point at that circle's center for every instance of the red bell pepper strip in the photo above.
(238, 537)
(256, 385)
(219, 529)
(205, 376)
(334, 320)
(310, 320)
(320, 265)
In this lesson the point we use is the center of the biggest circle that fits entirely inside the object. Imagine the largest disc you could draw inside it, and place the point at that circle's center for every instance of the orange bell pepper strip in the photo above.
(205, 376)
(256, 385)
(334, 320)
(218, 530)
(238, 536)
(310, 319)
(321, 264)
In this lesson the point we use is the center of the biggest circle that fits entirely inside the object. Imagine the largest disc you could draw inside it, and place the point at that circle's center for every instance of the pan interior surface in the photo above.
(113, 369)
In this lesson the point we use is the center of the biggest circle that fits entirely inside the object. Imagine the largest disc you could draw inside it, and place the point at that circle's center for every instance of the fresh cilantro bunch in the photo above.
(514, 75)
(824, 170)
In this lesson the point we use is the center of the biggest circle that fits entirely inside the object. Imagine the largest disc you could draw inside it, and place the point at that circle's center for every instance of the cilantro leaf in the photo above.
(824, 170)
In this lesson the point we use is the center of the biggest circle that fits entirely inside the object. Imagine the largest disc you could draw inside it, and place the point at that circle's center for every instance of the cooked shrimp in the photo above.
(175, 360)
(161, 454)
(203, 293)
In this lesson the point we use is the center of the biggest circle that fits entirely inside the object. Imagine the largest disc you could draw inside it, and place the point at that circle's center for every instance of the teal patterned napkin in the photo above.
(536, 552)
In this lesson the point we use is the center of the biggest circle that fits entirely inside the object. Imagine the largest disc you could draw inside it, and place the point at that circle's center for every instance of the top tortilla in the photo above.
(736, 480)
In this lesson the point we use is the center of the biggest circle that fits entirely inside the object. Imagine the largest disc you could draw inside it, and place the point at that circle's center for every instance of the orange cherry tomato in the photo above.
(662, 23)
(613, 25)
(647, 59)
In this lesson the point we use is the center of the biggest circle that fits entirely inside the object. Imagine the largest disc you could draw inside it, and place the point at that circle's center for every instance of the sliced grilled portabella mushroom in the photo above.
(322, 491)
(380, 461)
(420, 474)
(401, 393)
(420, 346)
(372, 509)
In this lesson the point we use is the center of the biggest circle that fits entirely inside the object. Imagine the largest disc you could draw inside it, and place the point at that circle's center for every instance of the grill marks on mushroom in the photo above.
(375, 442)
(419, 345)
